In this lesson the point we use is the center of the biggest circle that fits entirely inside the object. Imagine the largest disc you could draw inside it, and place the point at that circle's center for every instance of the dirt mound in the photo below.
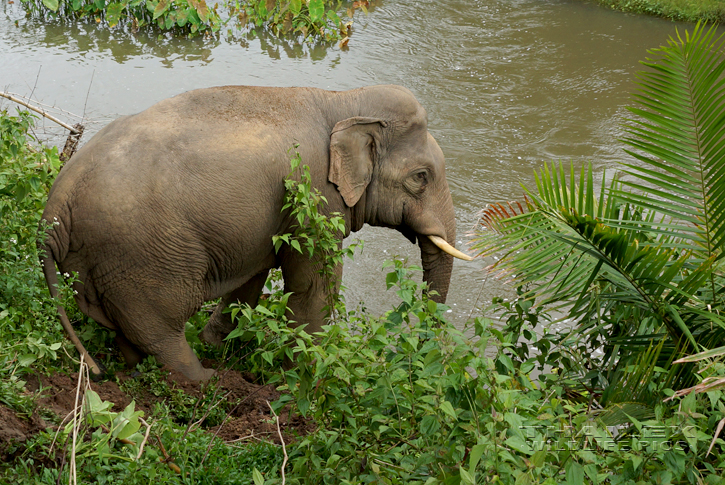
(248, 413)
(14, 430)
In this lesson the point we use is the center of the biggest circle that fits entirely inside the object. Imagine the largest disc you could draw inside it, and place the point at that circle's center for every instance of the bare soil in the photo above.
(248, 414)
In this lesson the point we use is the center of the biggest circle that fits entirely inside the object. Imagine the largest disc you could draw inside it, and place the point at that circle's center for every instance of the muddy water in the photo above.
(508, 84)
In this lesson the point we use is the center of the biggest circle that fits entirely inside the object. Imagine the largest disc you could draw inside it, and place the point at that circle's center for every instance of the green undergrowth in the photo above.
(711, 11)
(408, 398)
(101, 456)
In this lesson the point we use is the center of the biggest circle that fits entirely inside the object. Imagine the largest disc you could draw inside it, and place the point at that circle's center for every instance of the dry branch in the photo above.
(41, 112)
(281, 439)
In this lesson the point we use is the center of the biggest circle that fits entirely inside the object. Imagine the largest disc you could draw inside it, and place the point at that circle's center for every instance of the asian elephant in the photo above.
(166, 209)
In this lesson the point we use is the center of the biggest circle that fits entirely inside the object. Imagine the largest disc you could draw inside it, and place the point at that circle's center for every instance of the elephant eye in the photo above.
(421, 177)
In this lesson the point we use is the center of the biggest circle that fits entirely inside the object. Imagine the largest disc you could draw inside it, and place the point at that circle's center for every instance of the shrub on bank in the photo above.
(711, 11)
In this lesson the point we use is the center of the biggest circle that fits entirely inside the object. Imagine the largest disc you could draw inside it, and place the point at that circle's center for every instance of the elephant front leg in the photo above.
(220, 323)
(311, 291)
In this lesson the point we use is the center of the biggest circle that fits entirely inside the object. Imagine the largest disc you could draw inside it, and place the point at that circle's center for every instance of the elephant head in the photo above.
(389, 168)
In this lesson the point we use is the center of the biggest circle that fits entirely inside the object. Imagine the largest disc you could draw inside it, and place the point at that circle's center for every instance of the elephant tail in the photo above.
(47, 261)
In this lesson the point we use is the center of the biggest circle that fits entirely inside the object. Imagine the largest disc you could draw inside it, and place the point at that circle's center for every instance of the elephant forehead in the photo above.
(399, 102)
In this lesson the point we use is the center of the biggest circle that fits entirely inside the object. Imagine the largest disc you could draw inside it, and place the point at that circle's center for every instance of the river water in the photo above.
(508, 84)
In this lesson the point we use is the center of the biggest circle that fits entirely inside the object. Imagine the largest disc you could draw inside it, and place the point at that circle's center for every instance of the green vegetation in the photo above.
(26, 314)
(176, 16)
(712, 11)
(309, 19)
(635, 267)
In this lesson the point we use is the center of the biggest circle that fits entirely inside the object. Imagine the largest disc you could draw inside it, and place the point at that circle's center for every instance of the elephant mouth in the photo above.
(409, 234)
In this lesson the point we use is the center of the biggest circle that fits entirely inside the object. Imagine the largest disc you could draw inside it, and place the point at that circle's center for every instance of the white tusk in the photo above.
(447, 248)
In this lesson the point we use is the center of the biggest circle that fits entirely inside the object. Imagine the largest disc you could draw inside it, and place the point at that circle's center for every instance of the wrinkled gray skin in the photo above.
(177, 205)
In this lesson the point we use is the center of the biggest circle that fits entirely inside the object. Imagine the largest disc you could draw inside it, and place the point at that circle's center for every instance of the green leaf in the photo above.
(317, 9)
(518, 444)
(447, 408)
(466, 477)
(296, 245)
(391, 279)
(182, 17)
(161, 7)
(429, 425)
(257, 477)
(538, 458)
(113, 13)
(127, 422)
(332, 15)
(295, 7)
(201, 8)
(262, 9)
(574, 473)
(26, 359)
(708, 354)
(474, 457)
(51, 4)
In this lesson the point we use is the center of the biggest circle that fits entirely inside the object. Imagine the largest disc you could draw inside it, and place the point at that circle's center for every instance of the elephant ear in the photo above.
(353, 145)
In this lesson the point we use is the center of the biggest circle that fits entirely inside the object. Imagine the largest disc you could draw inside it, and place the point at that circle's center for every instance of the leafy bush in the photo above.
(26, 312)
(120, 447)
(310, 19)
(408, 398)
(315, 18)
(179, 16)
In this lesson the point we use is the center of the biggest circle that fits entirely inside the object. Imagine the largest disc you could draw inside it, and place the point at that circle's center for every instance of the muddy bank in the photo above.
(248, 416)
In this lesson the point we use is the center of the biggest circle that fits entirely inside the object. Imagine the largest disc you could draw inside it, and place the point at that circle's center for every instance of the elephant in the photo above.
(177, 205)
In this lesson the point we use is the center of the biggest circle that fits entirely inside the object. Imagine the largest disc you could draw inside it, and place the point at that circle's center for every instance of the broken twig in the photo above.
(284, 448)
(41, 112)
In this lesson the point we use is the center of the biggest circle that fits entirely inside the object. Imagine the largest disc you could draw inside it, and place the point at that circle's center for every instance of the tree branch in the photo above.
(40, 111)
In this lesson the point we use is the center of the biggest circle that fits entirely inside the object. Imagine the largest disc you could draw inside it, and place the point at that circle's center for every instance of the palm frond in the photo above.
(638, 262)
(678, 140)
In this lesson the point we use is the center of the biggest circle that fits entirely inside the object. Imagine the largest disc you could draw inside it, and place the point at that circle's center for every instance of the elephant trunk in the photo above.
(437, 264)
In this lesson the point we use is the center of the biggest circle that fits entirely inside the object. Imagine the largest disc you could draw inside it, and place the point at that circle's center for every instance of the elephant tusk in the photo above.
(447, 248)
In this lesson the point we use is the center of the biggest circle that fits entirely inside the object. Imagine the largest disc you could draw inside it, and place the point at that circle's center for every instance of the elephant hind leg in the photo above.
(220, 322)
(131, 354)
(145, 329)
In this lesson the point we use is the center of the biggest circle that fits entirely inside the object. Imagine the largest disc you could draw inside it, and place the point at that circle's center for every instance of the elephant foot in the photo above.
(178, 355)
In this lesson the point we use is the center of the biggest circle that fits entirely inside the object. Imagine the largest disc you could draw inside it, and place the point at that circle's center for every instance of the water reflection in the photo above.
(85, 40)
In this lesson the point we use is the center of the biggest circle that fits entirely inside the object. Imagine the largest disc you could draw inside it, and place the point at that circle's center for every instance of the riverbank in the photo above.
(711, 11)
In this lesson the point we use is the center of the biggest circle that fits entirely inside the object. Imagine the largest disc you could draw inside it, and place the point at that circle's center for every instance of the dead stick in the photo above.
(145, 438)
(284, 448)
(72, 476)
(40, 111)
(169, 460)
